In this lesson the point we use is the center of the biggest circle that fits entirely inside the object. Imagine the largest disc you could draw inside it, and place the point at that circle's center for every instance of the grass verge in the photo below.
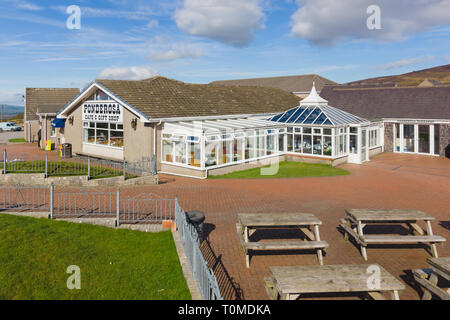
(288, 170)
(115, 264)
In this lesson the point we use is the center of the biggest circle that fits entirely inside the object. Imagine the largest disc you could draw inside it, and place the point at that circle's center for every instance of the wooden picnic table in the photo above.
(289, 283)
(428, 279)
(358, 219)
(306, 222)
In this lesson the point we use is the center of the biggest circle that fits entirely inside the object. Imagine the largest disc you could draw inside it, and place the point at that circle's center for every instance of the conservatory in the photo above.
(312, 130)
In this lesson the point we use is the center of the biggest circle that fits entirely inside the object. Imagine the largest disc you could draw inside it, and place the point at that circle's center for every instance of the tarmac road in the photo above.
(6, 136)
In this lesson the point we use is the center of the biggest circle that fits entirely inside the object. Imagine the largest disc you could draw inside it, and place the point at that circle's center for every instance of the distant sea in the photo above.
(9, 111)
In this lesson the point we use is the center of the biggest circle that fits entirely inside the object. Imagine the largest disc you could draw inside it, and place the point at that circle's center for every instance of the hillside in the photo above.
(411, 79)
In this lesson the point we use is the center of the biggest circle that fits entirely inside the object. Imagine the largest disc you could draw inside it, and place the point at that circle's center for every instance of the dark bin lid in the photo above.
(196, 217)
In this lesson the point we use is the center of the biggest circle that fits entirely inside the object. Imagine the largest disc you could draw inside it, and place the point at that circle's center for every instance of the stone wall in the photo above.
(38, 179)
(388, 137)
(444, 140)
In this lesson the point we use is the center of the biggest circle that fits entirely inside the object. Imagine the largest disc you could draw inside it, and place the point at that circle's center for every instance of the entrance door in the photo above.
(409, 143)
(424, 139)
(354, 147)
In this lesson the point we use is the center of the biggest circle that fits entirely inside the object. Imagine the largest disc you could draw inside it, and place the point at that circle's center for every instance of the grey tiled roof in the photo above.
(402, 103)
(160, 97)
(47, 100)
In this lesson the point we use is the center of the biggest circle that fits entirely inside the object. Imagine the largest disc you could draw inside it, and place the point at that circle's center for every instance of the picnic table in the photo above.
(306, 222)
(290, 283)
(358, 219)
(429, 278)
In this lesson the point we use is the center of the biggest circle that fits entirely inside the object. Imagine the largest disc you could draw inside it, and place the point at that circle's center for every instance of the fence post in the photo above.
(118, 208)
(4, 161)
(89, 168)
(46, 166)
(124, 169)
(52, 199)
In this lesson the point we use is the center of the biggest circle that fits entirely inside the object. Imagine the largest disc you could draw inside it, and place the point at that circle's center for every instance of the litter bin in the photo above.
(66, 150)
(197, 219)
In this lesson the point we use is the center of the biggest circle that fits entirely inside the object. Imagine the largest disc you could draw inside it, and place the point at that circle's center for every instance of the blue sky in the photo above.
(205, 40)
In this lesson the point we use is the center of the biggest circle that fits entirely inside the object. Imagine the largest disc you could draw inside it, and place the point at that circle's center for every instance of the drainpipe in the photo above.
(154, 138)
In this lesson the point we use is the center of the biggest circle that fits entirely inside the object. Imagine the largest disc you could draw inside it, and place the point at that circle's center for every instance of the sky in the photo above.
(200, 41)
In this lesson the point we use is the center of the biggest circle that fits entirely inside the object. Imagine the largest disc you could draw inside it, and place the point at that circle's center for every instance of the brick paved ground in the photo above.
(388, 181)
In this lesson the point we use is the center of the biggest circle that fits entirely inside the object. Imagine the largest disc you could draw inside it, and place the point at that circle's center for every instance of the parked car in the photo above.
(10, 126)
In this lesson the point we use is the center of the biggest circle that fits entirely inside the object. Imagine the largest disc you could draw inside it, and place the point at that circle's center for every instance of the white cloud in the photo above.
(128, 73)
(404, 62)
(326, 22)
(229, 21)
(11, 97)
(176, 51)
(152, 24)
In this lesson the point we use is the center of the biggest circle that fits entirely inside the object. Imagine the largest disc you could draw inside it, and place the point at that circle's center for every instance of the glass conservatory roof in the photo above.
(315, 110)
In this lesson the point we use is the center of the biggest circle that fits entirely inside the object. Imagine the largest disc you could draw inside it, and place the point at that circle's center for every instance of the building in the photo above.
(41, 106)
(416, 120)
(299, 85)
(200, 130)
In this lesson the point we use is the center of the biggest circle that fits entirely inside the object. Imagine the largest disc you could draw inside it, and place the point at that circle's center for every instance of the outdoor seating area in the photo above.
(358, 219)
(429, 278)
(250, 223)
(292, 282)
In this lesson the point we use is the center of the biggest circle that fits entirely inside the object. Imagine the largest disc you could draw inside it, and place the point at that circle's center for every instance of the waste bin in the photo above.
(66, 150)
(197, 219)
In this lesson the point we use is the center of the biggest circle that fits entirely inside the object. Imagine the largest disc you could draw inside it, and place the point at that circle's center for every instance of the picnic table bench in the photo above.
(306, 222)
(290, 283)
(429, 278)
(358, 219)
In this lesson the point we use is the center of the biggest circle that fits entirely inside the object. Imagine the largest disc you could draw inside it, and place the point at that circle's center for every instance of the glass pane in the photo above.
(249, 148)
(194, 155)
(102, 137)
(168, 151)
(298, 143)
(117, 139)
(290, 142)
(296, 115)
(307, 130)
(237, 154)
(327, 146)
(89, 135)
(397, 137)
(424, 139)
(317, 145)
(313, 116)
(327, 132)
(276, 118)
(270, 145)
(304, 115)
(287, 115)
(353, 144)
(307, 144)
(321, 119)
(437, 144)
(180, 152)
(281, 142)
(408, 138)
(211, 154)
(102, 125)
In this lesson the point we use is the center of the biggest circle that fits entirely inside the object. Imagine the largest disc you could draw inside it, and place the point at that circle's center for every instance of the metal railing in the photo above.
(84, 204)
(82, 166)
(146, 208)
(21, 198)
(204, 275)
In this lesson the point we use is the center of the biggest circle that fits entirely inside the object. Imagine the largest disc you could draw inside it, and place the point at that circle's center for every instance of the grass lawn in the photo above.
(63, 169)
(115, 264)
(17, 140)
(288, 170)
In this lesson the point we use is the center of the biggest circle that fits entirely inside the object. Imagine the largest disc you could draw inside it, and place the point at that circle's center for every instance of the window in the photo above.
(105, 134)
(52, 132)
(99, 95)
